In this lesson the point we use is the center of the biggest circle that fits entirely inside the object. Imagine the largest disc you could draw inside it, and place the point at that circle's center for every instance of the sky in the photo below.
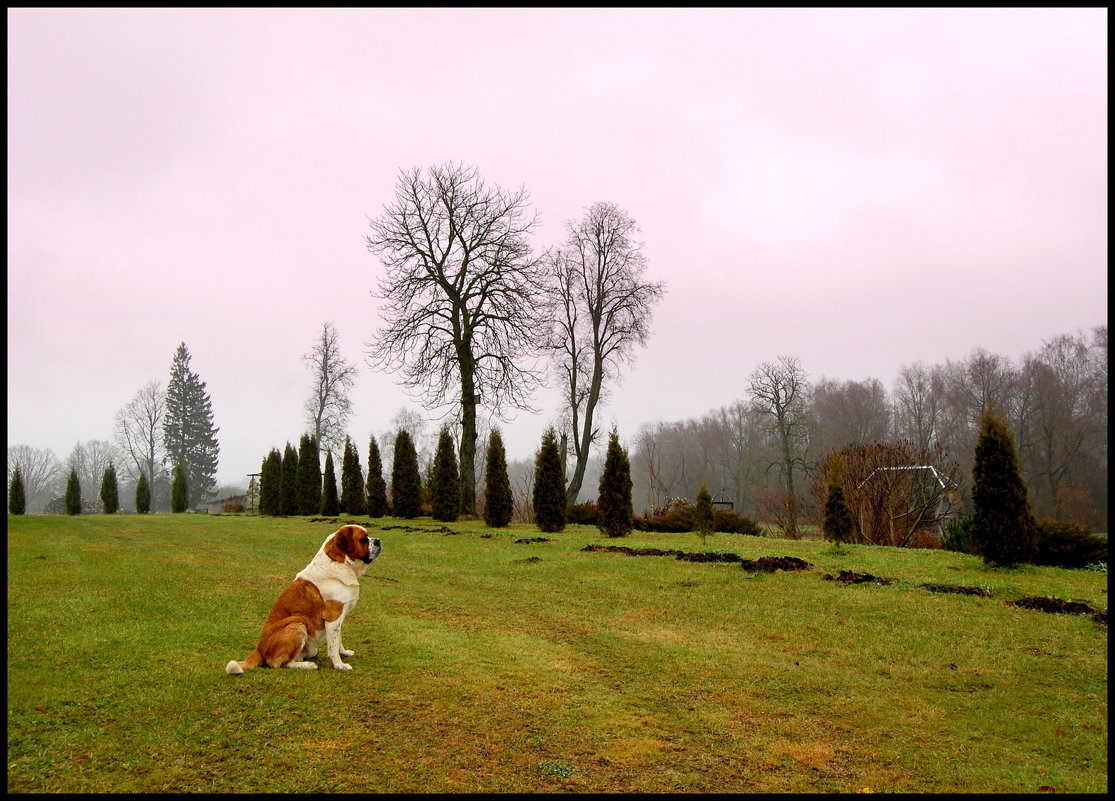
(858, 189)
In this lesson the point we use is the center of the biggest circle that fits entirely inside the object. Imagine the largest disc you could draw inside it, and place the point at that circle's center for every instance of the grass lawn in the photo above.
(487, 665)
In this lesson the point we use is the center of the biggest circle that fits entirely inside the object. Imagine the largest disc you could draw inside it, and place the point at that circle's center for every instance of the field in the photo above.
(489, 665)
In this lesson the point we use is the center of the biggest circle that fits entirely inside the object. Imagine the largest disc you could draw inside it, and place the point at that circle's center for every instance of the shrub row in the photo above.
(1058, 544)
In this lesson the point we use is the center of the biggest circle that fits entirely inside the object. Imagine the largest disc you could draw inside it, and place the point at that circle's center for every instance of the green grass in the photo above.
(485, 665)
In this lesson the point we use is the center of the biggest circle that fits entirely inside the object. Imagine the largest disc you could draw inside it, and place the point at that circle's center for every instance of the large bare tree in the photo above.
(459, 287)
(780, 390)
(600, 309)
(328, 407)
(40, 470)
(139, 436)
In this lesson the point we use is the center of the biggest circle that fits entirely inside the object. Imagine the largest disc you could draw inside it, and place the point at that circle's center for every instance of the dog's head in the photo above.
(352, 542)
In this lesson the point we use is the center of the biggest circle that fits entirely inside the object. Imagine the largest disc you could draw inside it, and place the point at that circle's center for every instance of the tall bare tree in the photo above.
(459, 288)
(600, 309)
(328, 407)
(780, 390)
(139, 437)
(850, 413)
(41, 472)
(918, 399)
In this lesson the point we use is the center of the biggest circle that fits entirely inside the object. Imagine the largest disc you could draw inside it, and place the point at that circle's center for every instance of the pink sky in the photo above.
(860, 189)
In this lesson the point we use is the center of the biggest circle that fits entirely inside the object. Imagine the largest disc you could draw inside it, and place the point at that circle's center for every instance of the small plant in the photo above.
(958, 535)
(702, 514)
(1098, 567)
(559, 769)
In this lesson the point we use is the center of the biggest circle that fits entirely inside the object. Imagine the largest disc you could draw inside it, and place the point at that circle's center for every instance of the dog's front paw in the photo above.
(346, 653)
(342, 666)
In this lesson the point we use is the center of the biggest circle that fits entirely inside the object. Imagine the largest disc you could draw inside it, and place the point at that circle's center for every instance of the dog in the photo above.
(314, 606)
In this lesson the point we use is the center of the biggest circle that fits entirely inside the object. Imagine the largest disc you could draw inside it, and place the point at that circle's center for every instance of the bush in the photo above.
(582, 513)
(677, 516)
(614, 514)
(1068, 545)
(235, 506)
(498, 501)
(958, 535)
(549, 485)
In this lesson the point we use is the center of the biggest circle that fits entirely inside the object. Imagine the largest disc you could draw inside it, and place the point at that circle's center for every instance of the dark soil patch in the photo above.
(533, 539)
(958, 589)
(1057, 606)
(848, 577)
(769, 564)
(530, 559)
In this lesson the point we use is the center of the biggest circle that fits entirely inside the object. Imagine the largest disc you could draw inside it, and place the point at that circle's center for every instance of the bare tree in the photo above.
(40, 470)
(780, 390)
(918, 399)
(850, 413)
(459, 294)
(139, 436)
(600, 309)
(90, 460)
(328, 407)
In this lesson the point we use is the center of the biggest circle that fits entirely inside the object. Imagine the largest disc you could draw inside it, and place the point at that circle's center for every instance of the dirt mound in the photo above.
(848, 577)
(764, 563)
(1057, 606)
(533, 539)
(958, 589)
(769, 564)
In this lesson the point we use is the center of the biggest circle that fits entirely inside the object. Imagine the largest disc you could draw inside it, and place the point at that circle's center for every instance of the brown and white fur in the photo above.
(314, 605)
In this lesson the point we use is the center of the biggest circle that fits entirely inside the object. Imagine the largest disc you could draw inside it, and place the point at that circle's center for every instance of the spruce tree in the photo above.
(330, 507)
(377, 487)
(702, 514)
(189, 435)
(549, 485)
(143, 495)
(17, 496)
(615, 515)
(498, 501)
(445, 481)
(180, 490)
(406, 483)
(308, 477)
(1004, 531)
(73, 494)
(352, 482)
(271, 483)
(288, 487)
(110, 492)
(837, 524)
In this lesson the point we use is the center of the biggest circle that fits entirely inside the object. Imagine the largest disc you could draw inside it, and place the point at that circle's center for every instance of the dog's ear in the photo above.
(340, 544)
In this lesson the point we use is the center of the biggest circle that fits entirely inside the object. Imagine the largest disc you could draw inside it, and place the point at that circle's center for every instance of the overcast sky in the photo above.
(860, 189)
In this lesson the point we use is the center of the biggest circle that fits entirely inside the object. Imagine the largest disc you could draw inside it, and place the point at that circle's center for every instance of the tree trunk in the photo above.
(468, 435)
(583, 439)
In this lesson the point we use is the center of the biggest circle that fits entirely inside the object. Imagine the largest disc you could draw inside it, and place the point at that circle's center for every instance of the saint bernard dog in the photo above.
(314, 605)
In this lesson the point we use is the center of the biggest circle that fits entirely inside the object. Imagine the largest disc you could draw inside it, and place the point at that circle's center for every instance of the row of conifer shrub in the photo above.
(1058, 544)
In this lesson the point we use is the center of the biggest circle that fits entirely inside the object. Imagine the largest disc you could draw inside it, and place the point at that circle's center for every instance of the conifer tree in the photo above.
(308, 476)
(615, 515)
(330, 507)
(271, 483)
(549, 485)
(1004, 531)
(498, 501)
(352, 482)
(837, 524)
(143, 495)
(110, 492)
(179, 490)
(288, 488)
(189, 435)
(377, 487)
(73, 494)
(17, 496)
(406, 483)
(702, 514)
(445, 481)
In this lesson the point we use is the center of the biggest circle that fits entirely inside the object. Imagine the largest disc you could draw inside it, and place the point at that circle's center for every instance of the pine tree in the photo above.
(73, 494)
(352, 482)
(702, 514)
(288, 486)
(837, 525)
(615, 515)
(189, 435)
(549, 485)
(1004, 531)
(498, 502)
(445, 481)
(17, 496)
(308, 477)
(271, 483)
(406, 483)
(377, 487)
(143, 495)
(180, 490)
(330, 507)
(110, 492)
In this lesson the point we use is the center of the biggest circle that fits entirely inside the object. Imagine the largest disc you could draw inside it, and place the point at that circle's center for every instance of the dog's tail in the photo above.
(234, 668)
